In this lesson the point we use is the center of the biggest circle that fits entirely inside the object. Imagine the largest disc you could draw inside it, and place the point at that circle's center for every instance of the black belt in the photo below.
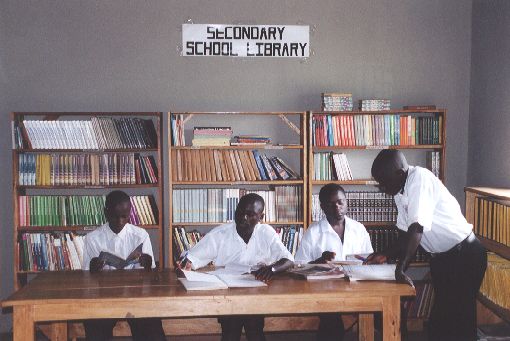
(468, 240)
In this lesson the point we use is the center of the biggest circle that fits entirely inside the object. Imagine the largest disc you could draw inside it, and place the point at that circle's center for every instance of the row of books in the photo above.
(184, 240)
(384, 237)
(421, 305)
(218, 205)
(177, 130)
(96, 133)
(331, 166)
(433, 162)
(376, 130)
(492, 219)
(336, 102)
(50, 251)
(228, 165)
(496, 282)
(374, 104)
(363, 206)
(59, 210)
(211, 136)
(86, 169)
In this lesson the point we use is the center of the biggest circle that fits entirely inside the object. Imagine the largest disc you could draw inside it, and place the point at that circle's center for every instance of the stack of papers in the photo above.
(373, 272)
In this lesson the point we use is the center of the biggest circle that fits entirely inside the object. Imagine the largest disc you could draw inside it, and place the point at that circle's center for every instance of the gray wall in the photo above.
(123, 56)
(489, 118)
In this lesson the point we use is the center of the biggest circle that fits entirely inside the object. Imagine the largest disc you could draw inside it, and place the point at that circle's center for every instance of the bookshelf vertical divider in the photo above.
(21, 277)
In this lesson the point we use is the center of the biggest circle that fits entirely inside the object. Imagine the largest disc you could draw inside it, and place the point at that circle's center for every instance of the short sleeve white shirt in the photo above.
(223, 245)
(320, 237)
(121, 244)
(426, 201)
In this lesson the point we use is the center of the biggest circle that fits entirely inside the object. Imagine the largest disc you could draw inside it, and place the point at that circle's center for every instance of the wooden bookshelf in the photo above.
(292, 143)
(153, 189)
(488, 209)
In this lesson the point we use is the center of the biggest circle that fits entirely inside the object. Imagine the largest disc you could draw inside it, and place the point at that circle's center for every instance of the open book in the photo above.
(218, 280)
(120, 263)
(318, 271)
(373, 272)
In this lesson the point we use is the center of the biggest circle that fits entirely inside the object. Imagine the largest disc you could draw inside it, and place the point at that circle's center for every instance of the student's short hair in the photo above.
(387, 158)
(328, 190)
(248, 199)
(114, 198)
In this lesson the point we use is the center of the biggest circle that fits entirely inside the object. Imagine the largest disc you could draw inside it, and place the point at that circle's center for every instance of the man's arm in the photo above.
(408, 244)
(265, 273)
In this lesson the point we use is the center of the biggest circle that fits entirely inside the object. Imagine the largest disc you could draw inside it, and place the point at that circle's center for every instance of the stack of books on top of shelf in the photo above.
(228, 165)
(336, 101)
(434, 162)
(96, 133)
(246, 140)
(211, 136)
(50, 251)
(374, 104)
(331, 166)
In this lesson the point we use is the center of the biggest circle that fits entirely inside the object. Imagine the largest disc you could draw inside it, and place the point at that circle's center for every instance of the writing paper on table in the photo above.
(372, 272)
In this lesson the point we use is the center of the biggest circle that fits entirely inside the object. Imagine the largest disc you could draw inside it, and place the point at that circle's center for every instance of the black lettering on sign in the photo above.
(190, 48)
(210, 32)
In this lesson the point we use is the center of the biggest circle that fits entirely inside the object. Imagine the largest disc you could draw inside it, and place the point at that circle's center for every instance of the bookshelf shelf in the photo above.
(237, 168)
(130, 146)
(90, 186)
(422, 146)
(238, 183)
(72, 228)
(265, 147)
(219, 223)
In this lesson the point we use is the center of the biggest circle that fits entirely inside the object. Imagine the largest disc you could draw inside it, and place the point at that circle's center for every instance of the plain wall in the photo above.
(124, 56)
(489, 117)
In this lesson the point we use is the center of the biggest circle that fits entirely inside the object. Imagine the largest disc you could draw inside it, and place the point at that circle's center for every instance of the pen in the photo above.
(360, 258)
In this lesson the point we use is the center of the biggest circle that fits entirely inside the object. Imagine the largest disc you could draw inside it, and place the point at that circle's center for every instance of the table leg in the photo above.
(23, 323)
(59, 331)
(366, 327)
(391, 318)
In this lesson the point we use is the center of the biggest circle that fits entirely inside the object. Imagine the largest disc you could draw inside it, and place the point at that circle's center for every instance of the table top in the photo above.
(69, 286)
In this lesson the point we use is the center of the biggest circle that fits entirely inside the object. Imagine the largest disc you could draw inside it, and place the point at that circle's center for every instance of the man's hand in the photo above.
(146, 261)
(264, 274)
(325, 257)
(401, 277)
(96, 265)
(376, 258)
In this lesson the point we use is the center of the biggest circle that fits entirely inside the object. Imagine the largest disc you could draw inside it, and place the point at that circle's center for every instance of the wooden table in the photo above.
(62, 296)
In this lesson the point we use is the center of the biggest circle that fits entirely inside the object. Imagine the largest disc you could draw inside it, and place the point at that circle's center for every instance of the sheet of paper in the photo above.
(241, 281)
(198, 285)
(373, 272)
(194, 276)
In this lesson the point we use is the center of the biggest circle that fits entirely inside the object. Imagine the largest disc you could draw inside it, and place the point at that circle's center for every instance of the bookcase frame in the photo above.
(21, 277)
(302, 147)
(472, 193)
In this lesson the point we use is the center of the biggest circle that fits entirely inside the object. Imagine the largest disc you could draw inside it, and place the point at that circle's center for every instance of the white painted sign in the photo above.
(291, 41)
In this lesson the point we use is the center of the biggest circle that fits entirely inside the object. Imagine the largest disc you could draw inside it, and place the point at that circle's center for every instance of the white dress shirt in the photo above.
(121, 244)
(223, 245)
(426, 201)
(320, 237)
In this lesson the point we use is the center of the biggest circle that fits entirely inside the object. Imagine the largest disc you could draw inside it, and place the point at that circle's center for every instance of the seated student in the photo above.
(246, 242)
(119, 237)
(332, 238)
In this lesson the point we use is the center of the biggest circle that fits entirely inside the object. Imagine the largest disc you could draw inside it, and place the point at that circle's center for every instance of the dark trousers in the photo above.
(331, 327)
(232, 327)
(456, 277)
(142, 329)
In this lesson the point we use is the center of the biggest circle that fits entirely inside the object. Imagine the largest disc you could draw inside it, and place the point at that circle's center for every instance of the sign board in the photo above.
(284, 41)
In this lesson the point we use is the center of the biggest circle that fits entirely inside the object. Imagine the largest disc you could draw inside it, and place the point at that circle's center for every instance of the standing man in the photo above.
(432, 217)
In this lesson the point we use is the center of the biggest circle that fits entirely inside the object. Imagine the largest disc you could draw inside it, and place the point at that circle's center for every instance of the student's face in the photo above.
(118, 216)
(335, 206)
(391, 183)
(251, 215)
